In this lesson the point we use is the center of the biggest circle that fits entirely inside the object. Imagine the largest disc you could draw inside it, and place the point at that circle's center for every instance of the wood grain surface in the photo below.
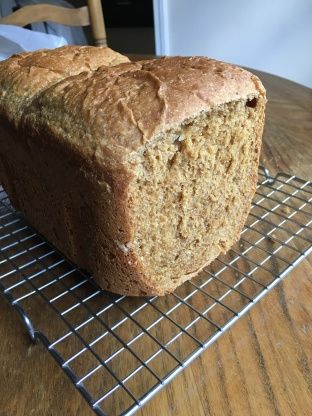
(261, 366)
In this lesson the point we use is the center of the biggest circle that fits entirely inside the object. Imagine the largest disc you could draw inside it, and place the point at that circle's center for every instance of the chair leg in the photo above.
(97, 22)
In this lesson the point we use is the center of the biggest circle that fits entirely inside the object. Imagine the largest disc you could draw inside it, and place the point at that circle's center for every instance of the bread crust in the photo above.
(24, 75)
(124, 107)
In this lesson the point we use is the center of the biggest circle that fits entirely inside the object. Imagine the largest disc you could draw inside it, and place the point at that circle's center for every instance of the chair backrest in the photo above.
(90, 15)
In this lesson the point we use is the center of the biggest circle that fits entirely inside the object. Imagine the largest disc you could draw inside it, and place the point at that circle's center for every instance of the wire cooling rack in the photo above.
(119, 351)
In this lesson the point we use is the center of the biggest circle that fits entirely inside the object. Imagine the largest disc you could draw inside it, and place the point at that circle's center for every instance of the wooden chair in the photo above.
(90, 15)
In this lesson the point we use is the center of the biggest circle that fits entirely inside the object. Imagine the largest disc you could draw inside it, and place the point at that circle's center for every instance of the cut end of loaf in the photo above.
(192, 191)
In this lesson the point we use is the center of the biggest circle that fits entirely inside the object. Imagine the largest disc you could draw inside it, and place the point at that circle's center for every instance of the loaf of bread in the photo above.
(140, 173)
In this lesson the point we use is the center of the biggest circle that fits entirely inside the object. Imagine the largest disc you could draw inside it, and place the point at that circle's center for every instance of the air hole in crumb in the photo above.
(172, 161)
(178, 143)
(229, 165)
(189, 124)
(252, 103)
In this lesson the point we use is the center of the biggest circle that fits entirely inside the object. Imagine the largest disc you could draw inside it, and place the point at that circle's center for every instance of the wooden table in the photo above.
(262, 366)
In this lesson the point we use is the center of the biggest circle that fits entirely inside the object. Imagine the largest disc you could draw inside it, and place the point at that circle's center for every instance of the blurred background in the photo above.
(270, 35)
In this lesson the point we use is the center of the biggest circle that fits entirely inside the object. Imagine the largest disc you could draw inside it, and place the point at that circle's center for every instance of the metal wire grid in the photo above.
(119, 351)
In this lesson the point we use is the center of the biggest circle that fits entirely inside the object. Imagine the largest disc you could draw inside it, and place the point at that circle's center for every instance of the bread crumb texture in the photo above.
(193, 191)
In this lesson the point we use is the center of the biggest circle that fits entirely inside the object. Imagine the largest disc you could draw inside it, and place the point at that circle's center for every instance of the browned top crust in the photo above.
(22, 76)
(112, 112)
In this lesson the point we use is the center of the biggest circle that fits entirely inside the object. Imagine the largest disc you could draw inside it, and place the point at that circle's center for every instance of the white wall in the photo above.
(271, 35)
